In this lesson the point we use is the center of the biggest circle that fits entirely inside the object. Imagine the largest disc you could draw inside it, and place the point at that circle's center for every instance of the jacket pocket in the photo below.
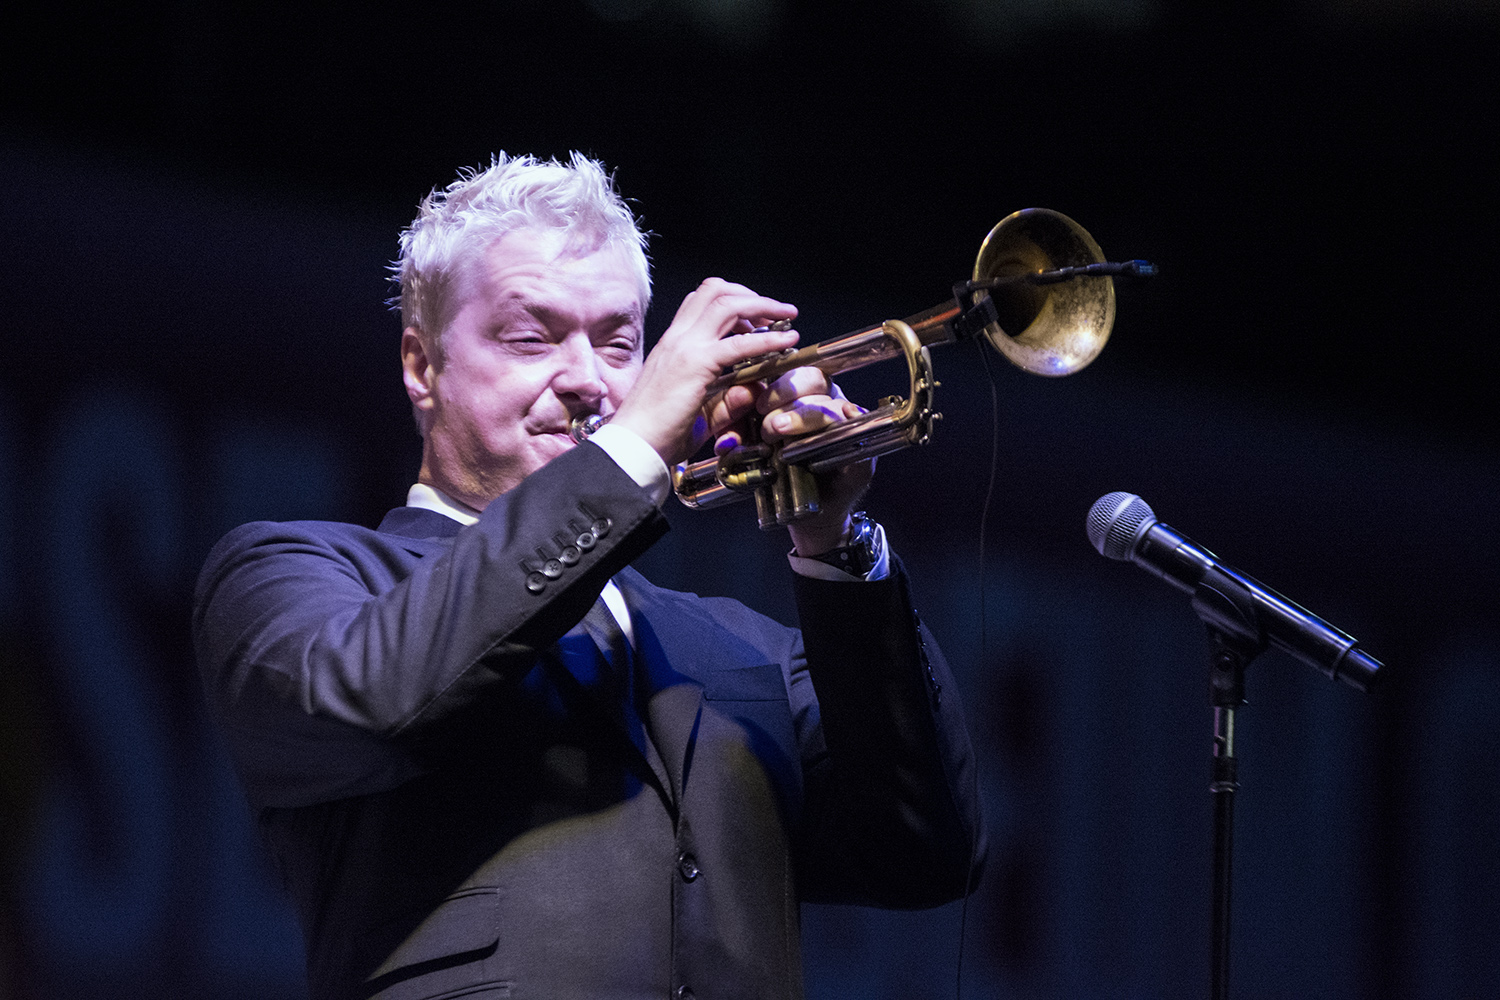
(760, 682)
(446, 951)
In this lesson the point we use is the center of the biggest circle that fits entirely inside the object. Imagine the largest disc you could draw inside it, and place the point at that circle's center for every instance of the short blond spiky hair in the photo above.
(455, 226)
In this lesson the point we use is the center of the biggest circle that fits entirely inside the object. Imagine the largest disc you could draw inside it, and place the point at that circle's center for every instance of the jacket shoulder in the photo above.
(315, 546)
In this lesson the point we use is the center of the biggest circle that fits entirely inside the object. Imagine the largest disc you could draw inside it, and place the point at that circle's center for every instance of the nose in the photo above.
(580, 376)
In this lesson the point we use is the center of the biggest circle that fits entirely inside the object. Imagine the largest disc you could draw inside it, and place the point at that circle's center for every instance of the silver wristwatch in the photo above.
(860, 553)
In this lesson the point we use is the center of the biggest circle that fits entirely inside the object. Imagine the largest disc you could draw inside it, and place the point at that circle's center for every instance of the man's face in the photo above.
(539, 337)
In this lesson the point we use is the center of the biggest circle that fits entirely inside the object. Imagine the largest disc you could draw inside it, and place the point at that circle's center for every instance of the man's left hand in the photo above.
(800, 402)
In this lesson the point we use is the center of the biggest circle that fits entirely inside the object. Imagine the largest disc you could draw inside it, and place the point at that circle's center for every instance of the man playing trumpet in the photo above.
(491, 759)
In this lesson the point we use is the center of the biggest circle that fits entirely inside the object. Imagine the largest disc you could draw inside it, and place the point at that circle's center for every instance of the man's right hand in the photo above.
(669, 405)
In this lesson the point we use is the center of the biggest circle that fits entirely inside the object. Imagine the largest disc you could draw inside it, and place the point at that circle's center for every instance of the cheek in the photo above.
(490, 401)
(621, 381)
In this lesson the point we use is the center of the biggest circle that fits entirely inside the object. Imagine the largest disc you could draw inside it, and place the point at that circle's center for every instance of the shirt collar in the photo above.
(429, 498)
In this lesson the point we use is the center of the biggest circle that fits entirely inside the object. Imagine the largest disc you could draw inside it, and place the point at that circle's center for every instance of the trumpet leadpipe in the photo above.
(868, 346)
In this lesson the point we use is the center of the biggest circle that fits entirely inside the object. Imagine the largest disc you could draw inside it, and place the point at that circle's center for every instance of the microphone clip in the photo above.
(1234, 630)
(974, 316)
(1228, 610)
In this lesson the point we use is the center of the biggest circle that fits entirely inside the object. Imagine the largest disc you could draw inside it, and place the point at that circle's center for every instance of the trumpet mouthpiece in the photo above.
(583, 426)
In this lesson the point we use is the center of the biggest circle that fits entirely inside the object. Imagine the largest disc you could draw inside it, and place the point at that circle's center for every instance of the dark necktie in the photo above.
(610, 639)
(601, 672)
(616, 671)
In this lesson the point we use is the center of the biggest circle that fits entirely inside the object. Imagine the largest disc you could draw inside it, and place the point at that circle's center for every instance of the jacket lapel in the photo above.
(670, 701)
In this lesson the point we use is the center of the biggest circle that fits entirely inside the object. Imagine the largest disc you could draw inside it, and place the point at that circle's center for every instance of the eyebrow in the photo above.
(554, 317)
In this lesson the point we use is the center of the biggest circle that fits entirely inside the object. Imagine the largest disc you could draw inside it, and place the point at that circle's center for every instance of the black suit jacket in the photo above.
(458, 811)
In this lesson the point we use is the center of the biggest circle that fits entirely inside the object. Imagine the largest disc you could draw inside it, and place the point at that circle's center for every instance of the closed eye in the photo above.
(622, 347)
(525, 343)
(618, 334)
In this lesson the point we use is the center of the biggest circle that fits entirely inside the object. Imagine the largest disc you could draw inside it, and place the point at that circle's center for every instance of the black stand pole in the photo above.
(1227, 685)
(1236, 639)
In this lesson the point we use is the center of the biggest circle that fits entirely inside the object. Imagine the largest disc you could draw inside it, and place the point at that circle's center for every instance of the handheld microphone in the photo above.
(1123, 526)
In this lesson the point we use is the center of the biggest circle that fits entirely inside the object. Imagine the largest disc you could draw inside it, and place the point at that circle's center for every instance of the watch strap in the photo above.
(860, 552)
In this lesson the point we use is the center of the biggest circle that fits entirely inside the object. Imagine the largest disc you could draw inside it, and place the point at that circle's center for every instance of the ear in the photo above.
(419, 372)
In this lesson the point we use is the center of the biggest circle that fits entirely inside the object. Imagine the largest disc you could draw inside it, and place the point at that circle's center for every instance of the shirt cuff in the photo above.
(803, 566)
(639, 460)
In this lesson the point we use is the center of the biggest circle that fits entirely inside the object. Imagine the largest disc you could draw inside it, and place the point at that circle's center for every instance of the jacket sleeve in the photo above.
(892, 815)
(326, 649)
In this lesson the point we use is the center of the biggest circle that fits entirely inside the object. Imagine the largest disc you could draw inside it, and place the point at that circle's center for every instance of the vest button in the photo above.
(687, 867)
(683, 993)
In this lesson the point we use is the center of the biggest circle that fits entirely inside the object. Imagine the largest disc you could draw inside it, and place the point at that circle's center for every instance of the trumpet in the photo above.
(1042, 294)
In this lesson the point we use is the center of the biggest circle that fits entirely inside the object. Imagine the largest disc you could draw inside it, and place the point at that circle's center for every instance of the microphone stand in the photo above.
(1235, 639)
(1122, 526)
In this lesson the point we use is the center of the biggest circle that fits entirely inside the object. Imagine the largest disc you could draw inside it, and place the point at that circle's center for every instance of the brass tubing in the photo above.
(846, 353)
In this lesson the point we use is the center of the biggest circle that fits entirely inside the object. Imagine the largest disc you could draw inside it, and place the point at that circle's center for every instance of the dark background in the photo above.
(198, 202)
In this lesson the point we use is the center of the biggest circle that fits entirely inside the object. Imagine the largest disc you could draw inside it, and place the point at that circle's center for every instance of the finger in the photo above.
(812, 415)
(793, 385)
(729, 441)
(803, 416)
(733, 349)
(728, 407)
(731, 307)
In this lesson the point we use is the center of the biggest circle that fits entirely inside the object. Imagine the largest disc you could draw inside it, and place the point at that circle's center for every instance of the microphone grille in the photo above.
(1115, 522)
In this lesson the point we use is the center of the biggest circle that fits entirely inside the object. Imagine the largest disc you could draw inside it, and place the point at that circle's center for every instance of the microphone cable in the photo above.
(984, 516)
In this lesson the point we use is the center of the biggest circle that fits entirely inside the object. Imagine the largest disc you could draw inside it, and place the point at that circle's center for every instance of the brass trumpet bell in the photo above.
(1047, 329)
